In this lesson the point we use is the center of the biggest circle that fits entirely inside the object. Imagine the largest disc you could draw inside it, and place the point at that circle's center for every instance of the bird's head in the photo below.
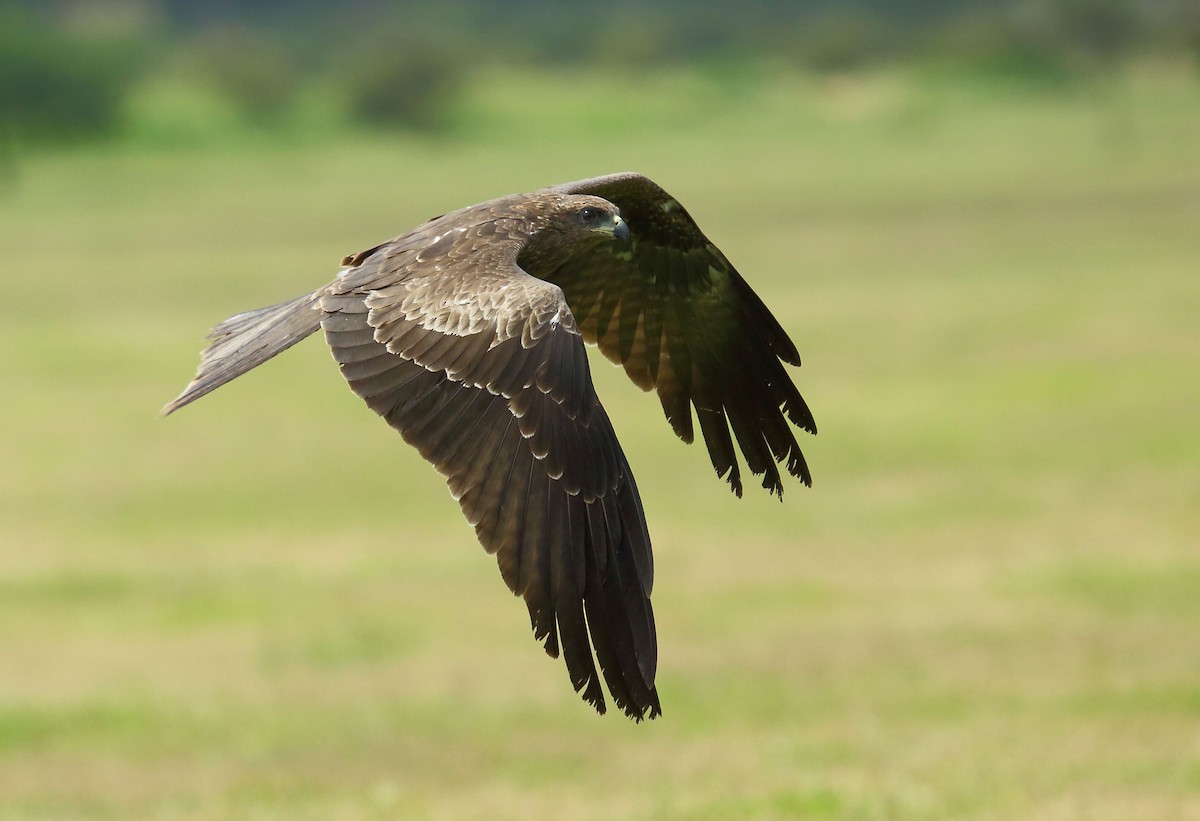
(566, 226)
(584, 216)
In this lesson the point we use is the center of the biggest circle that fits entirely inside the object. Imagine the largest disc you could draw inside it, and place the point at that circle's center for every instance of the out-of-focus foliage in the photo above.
(252, 69)
(411, 65)
(1186, 32)
(1103, 30)
(847, 39)
(59, 83)
(409, 87)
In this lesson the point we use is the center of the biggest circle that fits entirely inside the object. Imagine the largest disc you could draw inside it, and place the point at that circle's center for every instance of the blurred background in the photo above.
(979, 221)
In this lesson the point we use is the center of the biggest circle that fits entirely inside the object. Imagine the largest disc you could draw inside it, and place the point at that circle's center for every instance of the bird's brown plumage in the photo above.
(467, 335)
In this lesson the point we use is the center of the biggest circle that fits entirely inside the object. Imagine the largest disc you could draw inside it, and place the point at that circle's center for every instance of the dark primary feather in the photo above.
(676, 314)
(467, 335)
(504, 407)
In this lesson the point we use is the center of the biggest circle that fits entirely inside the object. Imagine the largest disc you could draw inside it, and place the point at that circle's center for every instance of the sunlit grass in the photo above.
(268, 606)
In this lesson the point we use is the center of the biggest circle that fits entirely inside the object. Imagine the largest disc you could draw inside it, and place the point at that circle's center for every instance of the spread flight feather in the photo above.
(467, 336)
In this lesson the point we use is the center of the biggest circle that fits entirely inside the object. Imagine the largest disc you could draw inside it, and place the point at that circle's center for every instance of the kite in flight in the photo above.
(467, 335)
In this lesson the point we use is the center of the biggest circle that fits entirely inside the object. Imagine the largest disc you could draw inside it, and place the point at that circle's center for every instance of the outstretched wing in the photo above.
(484, 371)
(675, 313)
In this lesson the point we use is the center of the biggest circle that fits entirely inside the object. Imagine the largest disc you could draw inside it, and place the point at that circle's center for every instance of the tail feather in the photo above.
(246, 341)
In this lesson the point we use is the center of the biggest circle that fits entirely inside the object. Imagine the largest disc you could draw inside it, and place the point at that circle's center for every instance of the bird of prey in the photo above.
(467, 335)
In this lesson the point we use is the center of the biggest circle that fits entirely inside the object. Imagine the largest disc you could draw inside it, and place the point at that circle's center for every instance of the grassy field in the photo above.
(267, 606)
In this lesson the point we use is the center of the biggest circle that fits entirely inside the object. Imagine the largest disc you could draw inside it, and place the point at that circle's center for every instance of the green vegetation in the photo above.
(268, 606)
(119, 68)
(60, 85)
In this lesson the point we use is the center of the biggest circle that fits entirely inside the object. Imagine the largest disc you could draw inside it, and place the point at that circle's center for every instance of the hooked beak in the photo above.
(620, 229)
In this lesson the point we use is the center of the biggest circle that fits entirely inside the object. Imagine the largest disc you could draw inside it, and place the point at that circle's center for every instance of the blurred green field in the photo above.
(268, 606)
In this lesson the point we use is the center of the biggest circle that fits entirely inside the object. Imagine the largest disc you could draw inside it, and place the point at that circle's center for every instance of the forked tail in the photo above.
(247, 340)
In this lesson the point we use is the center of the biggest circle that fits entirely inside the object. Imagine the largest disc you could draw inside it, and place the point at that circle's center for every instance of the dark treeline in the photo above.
(66, 65)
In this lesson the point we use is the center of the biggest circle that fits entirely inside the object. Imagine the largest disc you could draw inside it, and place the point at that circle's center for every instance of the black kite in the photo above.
(467, 335)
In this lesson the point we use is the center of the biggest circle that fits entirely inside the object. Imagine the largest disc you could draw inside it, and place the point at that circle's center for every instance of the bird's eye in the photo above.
(589, 215)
